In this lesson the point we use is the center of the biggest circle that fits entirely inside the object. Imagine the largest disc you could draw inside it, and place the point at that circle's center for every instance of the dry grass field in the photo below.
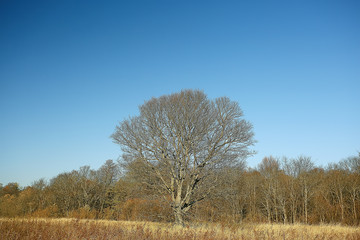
(11, 229)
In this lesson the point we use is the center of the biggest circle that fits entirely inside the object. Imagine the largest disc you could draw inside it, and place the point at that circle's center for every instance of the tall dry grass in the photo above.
(13, 229)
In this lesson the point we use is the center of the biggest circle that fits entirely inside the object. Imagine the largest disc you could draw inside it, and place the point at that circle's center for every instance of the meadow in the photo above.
(71, 229)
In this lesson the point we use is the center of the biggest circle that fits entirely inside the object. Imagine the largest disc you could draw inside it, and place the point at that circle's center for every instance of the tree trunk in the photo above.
(342, 206)
(268, 211)
(285, 213)
(305, 203)
(179, 221)
(293, 210)
(354, 204)
(276, 213)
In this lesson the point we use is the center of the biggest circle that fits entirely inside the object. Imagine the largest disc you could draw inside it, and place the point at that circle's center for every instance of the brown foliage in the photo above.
(48, 212)
(145, 210)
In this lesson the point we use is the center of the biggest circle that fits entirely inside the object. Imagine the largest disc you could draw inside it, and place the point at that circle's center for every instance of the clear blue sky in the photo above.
(71, 70)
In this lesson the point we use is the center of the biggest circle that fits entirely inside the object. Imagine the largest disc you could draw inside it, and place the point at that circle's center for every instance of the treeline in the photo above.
(277, 190)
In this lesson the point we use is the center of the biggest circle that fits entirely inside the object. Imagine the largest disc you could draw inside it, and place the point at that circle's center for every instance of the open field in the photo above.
(11, 229)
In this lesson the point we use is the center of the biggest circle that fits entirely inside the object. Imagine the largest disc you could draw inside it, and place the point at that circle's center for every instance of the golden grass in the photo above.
(11, 229)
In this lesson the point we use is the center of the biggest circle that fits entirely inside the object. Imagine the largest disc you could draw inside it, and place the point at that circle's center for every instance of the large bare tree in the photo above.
(182, 139)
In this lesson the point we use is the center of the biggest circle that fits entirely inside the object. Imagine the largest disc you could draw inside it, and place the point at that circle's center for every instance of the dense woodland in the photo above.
(278, 190)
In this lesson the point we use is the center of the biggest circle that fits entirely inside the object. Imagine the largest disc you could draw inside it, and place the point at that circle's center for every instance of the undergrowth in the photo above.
(71, 229)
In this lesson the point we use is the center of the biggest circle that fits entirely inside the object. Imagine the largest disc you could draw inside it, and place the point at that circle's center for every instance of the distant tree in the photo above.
(226, 203)
(230, 192)
(11, 189)
(354, 194)
(1, 190)
(294, 190)
(39, 200)
(337, 185)
(303, 166)
(253, 189)
(107, 175)
(181, 139)
(351, 164)
(300, 169)
(88, 187)
(269, 168)
(66, 193)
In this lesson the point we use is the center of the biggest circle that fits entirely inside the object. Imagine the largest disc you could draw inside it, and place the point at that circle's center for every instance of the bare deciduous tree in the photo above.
(182, 139)
(270, 170)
